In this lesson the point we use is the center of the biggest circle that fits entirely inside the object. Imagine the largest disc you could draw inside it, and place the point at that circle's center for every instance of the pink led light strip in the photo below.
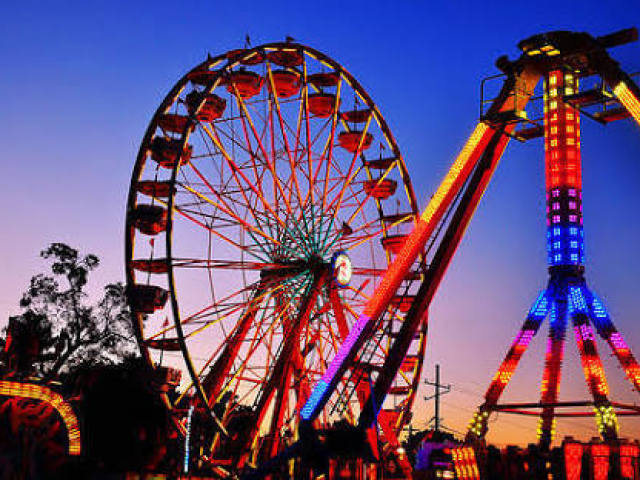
(425, 226)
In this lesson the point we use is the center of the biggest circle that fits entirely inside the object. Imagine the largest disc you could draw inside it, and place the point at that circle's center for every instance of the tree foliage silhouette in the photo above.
(59, 329)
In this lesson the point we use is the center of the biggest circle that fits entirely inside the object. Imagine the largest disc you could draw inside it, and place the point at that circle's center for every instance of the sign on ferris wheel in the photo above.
(341, 268)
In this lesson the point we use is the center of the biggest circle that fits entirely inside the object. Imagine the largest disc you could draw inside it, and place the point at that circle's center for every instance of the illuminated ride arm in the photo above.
(415, 242)
(537, 314)
(591, 363)
(607, 330)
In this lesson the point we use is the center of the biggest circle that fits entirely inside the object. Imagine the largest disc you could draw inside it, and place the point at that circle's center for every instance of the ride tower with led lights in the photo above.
(567, 297)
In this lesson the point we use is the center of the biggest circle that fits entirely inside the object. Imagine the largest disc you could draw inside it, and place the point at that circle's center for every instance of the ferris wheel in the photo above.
(266, 202)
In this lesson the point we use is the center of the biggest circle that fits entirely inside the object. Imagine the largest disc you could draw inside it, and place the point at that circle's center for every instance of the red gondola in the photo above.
(380, 189)
(324, 80)
(356, 116)
(156, 265)
(155, 189)
(254, 59)
(285, 58)
(350, 140)
(409, 363)
(400, 390)
(403, 302)
(147, 298)
(380, 163)
(212, 109)
(286, 83)
(167, 152)
(202, 77)
(172, 122)
(247, 84)
(150, 219)
(322, 105)
(393, 243)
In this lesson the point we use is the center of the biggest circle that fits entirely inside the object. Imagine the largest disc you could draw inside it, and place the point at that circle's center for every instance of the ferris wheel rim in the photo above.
(142, 158)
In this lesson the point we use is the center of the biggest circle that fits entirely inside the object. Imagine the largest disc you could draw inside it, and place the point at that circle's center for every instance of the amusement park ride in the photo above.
(275, 251)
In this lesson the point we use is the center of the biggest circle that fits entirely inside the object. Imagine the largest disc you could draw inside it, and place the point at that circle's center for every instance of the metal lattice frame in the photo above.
(562, 57)
(258, 167)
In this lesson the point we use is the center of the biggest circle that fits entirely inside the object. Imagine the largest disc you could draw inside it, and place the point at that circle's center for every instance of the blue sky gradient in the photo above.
(82, 80)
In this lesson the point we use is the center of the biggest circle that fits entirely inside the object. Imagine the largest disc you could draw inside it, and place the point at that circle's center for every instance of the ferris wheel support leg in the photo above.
(607, 330)
(592, 364)
(213, 383)
(294, 369)
(282, 363)
(551, 376)
(447, 247)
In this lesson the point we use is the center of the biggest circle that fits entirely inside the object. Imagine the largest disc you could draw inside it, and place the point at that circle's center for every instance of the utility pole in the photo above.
(439, 390)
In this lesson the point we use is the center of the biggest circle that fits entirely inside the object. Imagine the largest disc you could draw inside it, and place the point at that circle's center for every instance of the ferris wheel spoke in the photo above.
(214, 380)
(280, 368)
(370, 193)
(248, 228)
(277, 185)
(328, 150)
(214, 308)
(353, 240)
(259, 336)
(211, 263)
(305, 105)
(259, 178)
(235, 170)
(188, 216)
(283, 125)
(321, 156)
(219, 128)
(242, 106)
(190, 318)
(337, 202)
(211, 188)
(252, 154)
(351, 174)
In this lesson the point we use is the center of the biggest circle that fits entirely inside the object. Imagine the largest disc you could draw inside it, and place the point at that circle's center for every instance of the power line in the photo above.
(439, 390)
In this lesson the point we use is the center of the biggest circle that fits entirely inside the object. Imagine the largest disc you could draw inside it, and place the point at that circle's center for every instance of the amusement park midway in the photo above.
(195, 185)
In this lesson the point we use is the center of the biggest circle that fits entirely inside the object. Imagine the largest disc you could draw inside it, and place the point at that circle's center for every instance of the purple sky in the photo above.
(82, 80)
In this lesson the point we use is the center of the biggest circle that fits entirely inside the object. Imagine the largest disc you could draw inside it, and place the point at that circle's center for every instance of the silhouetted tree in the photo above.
(59, 330)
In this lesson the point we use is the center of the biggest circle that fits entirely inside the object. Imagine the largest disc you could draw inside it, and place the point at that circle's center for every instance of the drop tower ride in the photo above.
(572, 307)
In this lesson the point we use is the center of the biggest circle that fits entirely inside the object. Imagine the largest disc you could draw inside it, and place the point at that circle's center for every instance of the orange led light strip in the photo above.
(38, 392)
(396, 272)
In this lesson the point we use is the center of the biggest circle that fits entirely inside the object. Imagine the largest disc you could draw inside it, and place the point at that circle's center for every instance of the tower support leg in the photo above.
(591, 364)
(552, 371)
(606, 329)
(538, 312)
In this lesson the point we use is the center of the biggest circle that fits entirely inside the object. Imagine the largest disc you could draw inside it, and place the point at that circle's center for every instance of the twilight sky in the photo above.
(82, 80)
